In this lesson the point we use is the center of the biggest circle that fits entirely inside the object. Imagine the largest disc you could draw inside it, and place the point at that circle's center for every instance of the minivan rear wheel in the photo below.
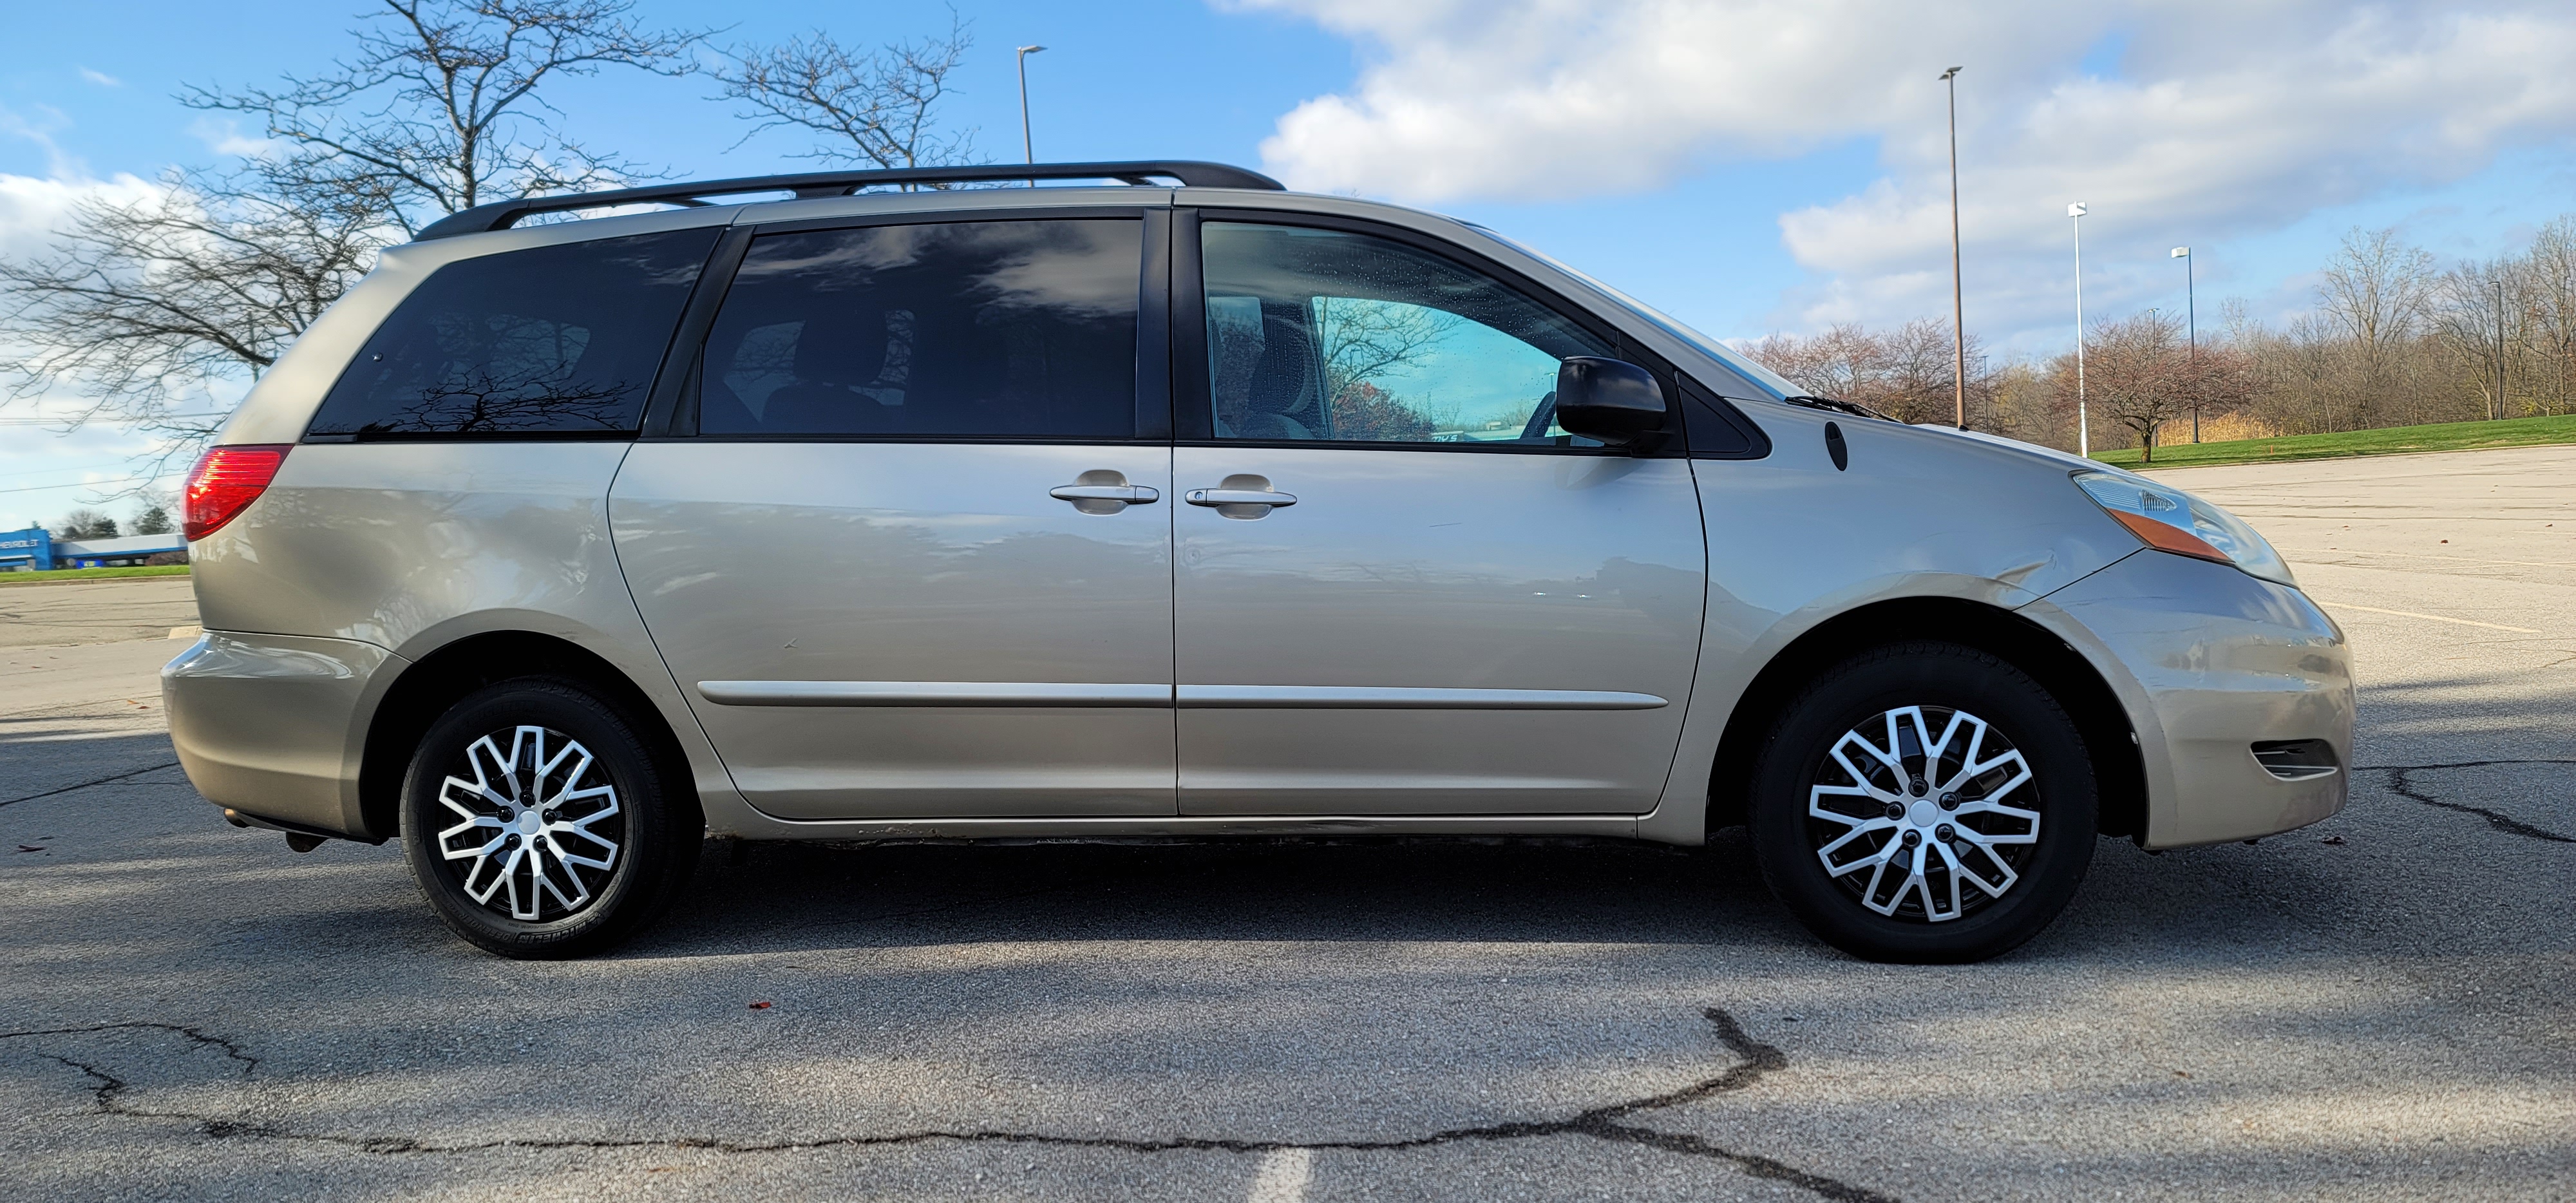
(1924, 802)
(538, 822)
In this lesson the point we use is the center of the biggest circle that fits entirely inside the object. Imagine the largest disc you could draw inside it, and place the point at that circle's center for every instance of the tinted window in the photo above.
(559, 340)
(965, 329)
(1321, 334)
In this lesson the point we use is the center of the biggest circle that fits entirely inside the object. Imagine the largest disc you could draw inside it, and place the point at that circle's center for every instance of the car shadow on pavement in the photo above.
(1074, 996)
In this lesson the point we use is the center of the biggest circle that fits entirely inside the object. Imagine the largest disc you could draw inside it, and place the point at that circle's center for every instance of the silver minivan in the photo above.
(1174, 504)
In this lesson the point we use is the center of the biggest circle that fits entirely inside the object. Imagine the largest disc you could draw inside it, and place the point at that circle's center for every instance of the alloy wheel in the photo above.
(1923, 813)
(539, 828)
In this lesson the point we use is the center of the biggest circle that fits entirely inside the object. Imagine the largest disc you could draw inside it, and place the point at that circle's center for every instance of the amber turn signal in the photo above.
(2169, 538)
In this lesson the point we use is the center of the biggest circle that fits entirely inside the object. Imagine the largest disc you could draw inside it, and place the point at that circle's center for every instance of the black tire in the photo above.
(654, 824)
(1941, 679)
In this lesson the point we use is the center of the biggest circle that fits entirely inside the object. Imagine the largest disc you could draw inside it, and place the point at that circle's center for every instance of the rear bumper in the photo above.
(2208, 661)
(272, 725)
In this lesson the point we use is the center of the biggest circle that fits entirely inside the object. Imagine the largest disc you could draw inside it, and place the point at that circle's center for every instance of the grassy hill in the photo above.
(2444, 436)
(87, 574)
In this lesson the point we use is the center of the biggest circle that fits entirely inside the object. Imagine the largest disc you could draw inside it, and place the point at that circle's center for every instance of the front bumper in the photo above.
(2208, 661)
(272, 725)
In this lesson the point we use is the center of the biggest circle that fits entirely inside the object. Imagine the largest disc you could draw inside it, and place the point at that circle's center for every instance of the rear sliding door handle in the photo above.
(1238, 497)
(1244, 496)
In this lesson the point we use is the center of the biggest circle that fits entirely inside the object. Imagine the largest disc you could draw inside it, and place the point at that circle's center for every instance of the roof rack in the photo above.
(501, 215)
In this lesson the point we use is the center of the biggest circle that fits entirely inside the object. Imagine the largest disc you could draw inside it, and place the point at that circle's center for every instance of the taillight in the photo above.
(224, 483)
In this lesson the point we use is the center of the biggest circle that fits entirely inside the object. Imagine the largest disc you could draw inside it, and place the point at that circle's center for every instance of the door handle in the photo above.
(1102, 491)
(1216, 497)
(1131, 494)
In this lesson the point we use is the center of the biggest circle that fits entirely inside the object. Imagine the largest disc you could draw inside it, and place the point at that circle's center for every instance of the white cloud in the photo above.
(101, 78)
(32, 209)
(224, 137)
(2222, 117)
(45, 470)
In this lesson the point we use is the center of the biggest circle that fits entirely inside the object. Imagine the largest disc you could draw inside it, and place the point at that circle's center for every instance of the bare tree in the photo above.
(2475, 318)
(440, 111)
(864, 107)
(144, 307)
(1906, 373)
(2547, 308)
(2378, 292)
(2141, 375)
(85, 524)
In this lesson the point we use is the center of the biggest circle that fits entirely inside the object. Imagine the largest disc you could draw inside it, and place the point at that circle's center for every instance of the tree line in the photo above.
(152, 519)
(146, 311)
(2395, 339)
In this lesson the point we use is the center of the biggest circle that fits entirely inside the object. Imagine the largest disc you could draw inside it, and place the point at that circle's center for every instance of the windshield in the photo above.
(1743, 365)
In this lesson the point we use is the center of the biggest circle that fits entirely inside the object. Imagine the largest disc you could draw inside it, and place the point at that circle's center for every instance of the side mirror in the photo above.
(1615, 402)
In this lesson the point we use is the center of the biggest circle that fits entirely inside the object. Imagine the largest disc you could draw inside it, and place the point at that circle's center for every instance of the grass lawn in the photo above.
(2444, 436)
(87, 574)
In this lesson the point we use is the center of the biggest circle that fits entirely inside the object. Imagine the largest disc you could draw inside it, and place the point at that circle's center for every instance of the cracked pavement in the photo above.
(191, 1011)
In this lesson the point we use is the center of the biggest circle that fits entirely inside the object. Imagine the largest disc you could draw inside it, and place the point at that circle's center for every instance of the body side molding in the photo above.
(1187, 697)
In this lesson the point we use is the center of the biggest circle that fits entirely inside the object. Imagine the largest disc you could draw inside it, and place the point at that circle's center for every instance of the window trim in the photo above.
(1153, 406)
(1193, 402)
(653, 392)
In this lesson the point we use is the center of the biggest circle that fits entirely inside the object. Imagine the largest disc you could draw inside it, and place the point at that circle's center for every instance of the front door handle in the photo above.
(1104, 492)
(1238, 497)
(1131, 494)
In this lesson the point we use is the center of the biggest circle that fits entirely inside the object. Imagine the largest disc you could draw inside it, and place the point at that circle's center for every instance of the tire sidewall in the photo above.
(1926, 674)
(622, 757)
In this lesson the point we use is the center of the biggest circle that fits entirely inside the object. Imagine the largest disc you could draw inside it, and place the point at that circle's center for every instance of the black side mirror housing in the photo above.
(1609, 400)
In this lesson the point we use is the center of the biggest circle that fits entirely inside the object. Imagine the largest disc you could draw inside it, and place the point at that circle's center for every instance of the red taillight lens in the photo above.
(224, 483)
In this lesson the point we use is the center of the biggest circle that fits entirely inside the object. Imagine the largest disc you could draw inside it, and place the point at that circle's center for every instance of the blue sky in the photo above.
(1750, 165)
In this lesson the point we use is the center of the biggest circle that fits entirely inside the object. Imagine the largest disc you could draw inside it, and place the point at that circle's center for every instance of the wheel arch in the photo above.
(437, 680)
(2109, 737)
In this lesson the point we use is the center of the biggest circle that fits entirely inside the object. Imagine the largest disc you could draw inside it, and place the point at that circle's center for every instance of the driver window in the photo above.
(1327, 335)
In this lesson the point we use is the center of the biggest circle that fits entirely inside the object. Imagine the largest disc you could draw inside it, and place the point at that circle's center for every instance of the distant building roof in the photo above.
(129, 545)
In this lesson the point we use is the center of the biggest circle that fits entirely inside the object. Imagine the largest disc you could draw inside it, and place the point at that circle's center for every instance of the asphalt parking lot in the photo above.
(2382, 1006)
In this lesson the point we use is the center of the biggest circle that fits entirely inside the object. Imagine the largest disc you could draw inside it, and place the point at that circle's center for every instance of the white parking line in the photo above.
(2420, 555)
(1282, 1177)
(2466, 622)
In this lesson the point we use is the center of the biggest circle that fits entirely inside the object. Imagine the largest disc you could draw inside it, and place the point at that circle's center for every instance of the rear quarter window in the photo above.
(558, 341)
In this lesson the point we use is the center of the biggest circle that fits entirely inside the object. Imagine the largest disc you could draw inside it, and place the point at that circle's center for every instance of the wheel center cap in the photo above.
(1923, 813)
(531, 823)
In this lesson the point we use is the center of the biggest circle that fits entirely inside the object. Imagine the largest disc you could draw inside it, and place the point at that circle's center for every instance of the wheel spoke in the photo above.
(1826, 853)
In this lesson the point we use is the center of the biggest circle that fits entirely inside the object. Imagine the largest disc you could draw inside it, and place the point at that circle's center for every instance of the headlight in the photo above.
(2169, 519)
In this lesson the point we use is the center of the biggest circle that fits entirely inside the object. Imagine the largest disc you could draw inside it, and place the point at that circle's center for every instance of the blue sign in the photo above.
(33, 547)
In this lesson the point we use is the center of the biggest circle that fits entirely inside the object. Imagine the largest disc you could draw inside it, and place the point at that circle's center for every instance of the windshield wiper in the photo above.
(1853, 408)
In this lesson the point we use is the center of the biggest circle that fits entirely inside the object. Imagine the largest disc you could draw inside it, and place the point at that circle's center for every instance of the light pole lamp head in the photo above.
(1028, 50)
(1952, 73)
(2077, 209)
(2181, 252)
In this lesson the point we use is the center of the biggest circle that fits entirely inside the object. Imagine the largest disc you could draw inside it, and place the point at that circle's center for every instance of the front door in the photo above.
(915, 561)
(1400, 588)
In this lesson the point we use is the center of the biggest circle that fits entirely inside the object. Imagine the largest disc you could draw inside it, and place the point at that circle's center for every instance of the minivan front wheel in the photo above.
(538, 823)
(1924, 802)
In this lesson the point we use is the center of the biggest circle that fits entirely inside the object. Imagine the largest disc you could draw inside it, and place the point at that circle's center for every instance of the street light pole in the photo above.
(1028, 149)
(1958, 306)
(2191, 328)
(2083, 428)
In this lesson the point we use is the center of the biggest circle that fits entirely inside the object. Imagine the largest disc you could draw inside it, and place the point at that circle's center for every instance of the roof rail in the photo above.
(501, 215)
